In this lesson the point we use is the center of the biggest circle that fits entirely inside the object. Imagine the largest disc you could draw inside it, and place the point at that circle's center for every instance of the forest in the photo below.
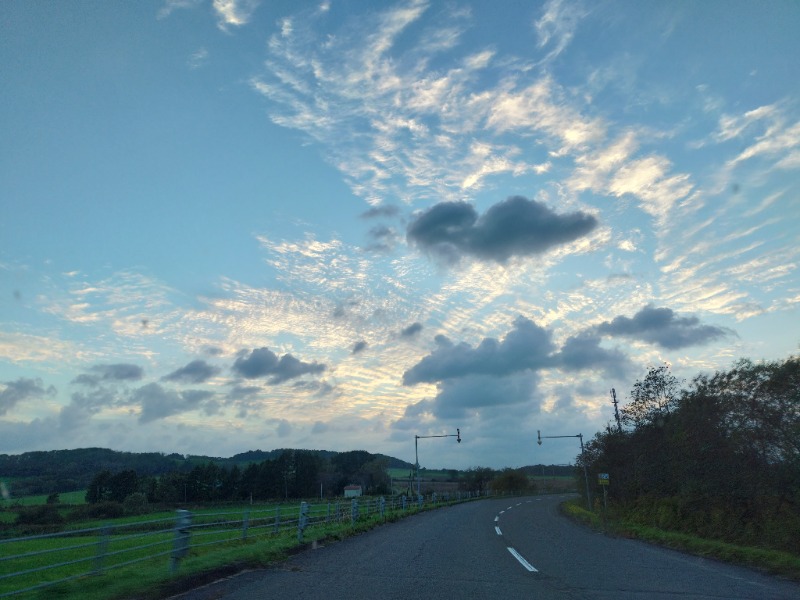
(57, 471)
(292, 474)
(718, 458)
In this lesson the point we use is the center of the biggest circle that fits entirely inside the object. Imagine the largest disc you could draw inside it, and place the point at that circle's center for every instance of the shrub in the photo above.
(42, 514)
(106, 510)
(135, 504)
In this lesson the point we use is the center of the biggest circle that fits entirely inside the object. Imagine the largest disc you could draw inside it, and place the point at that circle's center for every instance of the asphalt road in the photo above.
(514, 548)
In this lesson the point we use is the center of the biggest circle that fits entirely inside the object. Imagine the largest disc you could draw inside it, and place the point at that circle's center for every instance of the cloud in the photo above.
(661, 326)
(384, 210)
(411, 330)
(171, 5)
(359, 346)
(198, 58)
(197, 371)
(557, 26)
(157, 402)
(116, 372)
(385, 238)
(473, 393)
(84, 405)
(20, 390)
(262, 362)
(526, 346)
(234, 12)
(283, 428)
(583, 351)
(514, 227)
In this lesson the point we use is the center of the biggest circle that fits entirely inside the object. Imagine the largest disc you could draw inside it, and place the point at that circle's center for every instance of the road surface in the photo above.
(513, 548)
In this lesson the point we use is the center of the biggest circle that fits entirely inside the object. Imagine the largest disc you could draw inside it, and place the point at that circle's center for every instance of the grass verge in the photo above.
(775, 562)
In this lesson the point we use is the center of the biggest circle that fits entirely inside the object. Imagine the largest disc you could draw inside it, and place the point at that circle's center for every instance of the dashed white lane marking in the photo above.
(496, 519)
(521, 560)
(497, 529)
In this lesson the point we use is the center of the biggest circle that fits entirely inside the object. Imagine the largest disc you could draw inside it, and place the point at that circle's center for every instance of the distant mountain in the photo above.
(46, 472)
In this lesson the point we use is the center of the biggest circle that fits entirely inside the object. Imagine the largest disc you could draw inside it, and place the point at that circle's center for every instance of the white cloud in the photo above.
(172, 5)
(234, 12)
(556, 28)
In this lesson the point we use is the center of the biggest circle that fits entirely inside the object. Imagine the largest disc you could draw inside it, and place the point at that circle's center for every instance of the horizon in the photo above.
(278, 224)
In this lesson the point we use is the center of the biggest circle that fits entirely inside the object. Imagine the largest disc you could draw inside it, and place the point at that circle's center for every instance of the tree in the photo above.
(652, 399)
(476, 479)
(511, 480)
(99, 488)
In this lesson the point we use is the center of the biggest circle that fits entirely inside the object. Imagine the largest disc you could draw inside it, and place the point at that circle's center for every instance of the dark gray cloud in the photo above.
(240, 392)
(514, 227)
(262, 362)
(501, 373)
(197, 371)
(526, 346)
(20, 390)
(411, 330)
(359, 346)
(105, 373)
(384, 239)
(662, 326)
(458, 398)
(157, 402)
(385, 210)
(84, 405)
(583, 351)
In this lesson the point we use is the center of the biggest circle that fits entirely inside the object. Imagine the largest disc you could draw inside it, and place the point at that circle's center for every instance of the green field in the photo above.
(77, 497)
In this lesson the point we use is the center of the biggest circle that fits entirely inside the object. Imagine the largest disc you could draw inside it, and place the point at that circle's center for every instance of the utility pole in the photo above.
(616, 410)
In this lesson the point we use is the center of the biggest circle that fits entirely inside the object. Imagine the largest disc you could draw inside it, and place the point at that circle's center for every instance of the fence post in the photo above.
(180, 546)
(102, 548)
(245, 523)
(404, 502)
(420, 500)
(353, 511)
(277, 519)
(383, 506)
(302, 520)
(328, 517)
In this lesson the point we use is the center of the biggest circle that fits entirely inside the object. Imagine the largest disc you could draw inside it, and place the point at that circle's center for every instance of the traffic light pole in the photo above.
(583, 460)
(457, 435)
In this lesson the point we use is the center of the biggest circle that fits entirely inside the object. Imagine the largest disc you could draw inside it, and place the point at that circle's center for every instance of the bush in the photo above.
(135, 504)
(42, 514)
(106, 510)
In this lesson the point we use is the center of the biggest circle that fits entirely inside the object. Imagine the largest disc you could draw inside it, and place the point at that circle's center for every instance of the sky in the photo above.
(232, 225)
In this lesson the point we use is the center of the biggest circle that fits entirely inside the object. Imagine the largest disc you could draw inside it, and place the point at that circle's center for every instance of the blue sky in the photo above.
(241, 224)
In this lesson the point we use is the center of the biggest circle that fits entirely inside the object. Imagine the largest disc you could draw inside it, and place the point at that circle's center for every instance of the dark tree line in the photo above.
(719, 457)
(293, 474)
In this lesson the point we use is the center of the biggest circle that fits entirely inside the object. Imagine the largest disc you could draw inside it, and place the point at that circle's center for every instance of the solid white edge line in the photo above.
(497, 529)
(521, 560)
